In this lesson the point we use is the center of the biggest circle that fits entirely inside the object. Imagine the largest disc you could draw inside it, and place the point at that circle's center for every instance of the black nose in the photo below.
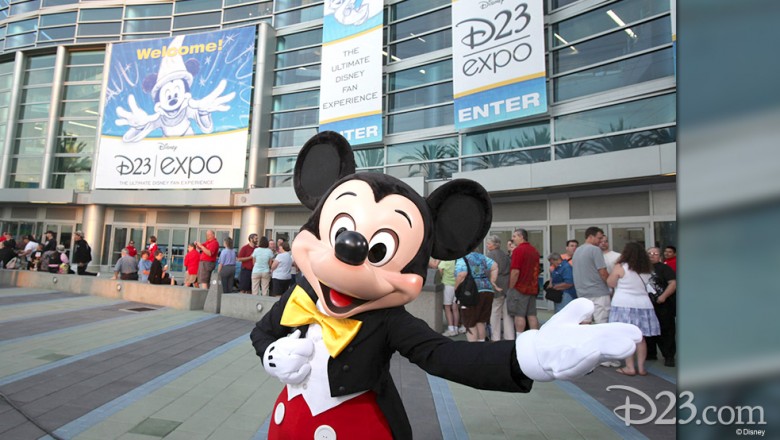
(351, 248)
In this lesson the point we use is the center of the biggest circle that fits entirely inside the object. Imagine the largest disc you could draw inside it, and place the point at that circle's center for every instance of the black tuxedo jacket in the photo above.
(365, 363)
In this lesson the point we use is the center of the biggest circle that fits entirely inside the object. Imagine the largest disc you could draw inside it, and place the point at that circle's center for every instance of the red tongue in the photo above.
(339, 299)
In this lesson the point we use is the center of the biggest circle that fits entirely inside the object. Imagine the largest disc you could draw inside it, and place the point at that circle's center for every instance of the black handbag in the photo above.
(466, 293)
(551, 294)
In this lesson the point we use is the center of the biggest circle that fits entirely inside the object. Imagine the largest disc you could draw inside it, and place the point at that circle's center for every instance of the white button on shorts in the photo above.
(325, 432)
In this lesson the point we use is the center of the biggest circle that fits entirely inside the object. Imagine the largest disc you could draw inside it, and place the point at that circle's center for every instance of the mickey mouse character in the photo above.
(174, 106)
(362, 255)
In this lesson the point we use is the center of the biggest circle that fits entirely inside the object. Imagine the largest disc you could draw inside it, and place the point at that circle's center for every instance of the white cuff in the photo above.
(528, 358)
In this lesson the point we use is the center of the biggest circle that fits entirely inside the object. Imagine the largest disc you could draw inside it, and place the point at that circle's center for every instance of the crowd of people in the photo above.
(261, 267)
(635, 286)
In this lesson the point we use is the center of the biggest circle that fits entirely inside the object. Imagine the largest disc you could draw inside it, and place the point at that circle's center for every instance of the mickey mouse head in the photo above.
(367, 244)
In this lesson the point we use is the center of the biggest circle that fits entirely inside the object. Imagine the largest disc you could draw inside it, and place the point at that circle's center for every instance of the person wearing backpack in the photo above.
(484, 271)
(82, 254)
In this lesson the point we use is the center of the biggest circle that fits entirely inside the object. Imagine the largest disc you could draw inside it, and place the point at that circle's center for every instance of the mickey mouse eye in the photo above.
(342, 223)
(382, 247)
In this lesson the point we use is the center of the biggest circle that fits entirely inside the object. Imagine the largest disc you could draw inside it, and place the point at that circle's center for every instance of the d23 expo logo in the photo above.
(495, 44)
(188, 166)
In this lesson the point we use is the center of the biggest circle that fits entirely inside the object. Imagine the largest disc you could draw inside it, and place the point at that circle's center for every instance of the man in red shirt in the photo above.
(670, 257)
(191, 263)
(245, 258)
(523, 283)
(208, 258)
(131, 250)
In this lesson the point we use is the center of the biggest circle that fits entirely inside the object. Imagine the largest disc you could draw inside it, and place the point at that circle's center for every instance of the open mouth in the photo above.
(339, 302)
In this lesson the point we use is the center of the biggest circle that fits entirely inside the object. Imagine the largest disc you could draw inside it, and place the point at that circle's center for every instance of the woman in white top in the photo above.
(631, 303)
(281, 268)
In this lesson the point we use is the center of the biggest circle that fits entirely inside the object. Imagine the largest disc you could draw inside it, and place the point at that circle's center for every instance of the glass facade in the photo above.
(610, 78)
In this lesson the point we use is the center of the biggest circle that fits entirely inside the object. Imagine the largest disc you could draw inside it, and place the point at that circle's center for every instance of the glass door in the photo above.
(619, 235)
(173, 244)
(537, 237)
(63, 234)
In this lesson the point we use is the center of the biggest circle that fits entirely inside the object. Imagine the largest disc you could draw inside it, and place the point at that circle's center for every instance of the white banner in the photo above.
(498, 60)
(351, 78)
(204, 161)
(176, 112)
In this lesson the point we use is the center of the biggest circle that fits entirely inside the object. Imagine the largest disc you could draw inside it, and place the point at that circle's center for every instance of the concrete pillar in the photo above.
(262, 104)
(13, 105)
(252, 221)
(54, 113)
(93, 225)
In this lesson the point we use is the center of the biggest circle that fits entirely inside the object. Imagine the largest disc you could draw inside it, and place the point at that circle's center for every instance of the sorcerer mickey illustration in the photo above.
(362, 256)
(174, 106)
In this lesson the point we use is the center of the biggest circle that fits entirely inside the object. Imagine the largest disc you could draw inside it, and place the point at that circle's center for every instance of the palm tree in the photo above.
(428, 153)
(370, 158)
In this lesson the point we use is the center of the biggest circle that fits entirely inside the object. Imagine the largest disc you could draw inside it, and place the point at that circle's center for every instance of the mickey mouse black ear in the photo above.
(462, 214)
(323, 160)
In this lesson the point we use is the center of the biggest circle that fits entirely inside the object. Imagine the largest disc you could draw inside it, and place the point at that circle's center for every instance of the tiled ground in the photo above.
(84, 367)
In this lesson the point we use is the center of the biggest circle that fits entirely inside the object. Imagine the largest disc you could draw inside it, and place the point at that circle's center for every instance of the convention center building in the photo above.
(132, 119)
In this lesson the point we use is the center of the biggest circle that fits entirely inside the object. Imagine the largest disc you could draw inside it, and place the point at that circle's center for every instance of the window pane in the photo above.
(58, 19)
(298, 16)
(297, 100)
(300, 74)
(292, 138)
(423, 150)
(420, 97)
(420, 25)
(561, 3)
(612, 76)
(600, 20)
(72, 164)
(25, 180)
(196, 5)
(420, 75)
(507, 139)
(307, 38)
(616, 143)
(616, 44)
(198, 20)
(281, 165)
(295, 119)
(248, 12)
(30, 146)
(4, 98)
(31, 129)
(630, 115)
(21, 8)
(77, 128)
(158, 25)
(76, 145)
(20, 40)
(78, 182)
(303, 56)
(409, 8)
(88, 91)
(37, 94)
(430, 171)
(34, 111)
(89, 108)
(87, 57)
(281, 5)
(370, 157)
(59, 2)
(94, 73)
(424, 44)
(137, 11)
(101, 14)
(59, 33)
(418, 120)
(40, 62)
(19, 27)
(280, 181)
(506, 159)
(89, 29)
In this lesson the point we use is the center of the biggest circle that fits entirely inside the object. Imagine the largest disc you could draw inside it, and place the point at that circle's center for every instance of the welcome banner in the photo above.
(497, 60)
(351, 81)
(176, 112)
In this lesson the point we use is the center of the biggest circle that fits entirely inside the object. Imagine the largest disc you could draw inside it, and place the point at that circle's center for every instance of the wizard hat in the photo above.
(172, 68)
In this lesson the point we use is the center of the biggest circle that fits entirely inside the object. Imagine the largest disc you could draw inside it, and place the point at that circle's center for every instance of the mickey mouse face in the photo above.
(356, 262)
(368, 241)
(172, 95)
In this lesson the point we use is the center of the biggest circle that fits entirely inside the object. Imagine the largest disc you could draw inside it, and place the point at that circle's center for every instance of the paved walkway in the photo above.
(88, 367)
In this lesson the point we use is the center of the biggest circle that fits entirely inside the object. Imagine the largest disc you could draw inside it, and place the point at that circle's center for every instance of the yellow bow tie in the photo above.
(337, 333)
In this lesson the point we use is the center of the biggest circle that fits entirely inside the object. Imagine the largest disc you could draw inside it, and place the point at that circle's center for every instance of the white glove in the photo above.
(288, 358)
(564, 349)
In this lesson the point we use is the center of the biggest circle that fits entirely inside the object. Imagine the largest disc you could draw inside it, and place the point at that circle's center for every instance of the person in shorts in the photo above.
(523, 283)
(208, 258)
(485, 272)
(447, 269)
